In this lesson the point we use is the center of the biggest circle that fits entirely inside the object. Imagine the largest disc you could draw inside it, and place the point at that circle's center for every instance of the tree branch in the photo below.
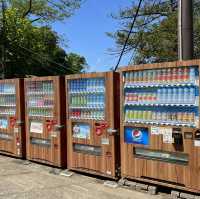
(29, 9)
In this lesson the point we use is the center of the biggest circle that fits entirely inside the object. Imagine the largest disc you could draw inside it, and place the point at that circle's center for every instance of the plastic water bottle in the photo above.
(186, 94)
(174, 96)
(192, 74)
(180, 95)
(169, 95)
(192, 96)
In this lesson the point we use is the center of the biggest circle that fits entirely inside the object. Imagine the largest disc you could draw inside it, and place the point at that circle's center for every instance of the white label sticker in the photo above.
(155, 130)
(54, 134)
(105, 141)
(16, 130)
(197, 143)
(167, 136)
(36, 127)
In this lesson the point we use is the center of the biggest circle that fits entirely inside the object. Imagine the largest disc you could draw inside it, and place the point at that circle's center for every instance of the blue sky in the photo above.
(85, 32)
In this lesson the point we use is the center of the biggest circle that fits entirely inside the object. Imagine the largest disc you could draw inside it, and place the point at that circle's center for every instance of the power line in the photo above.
(134, 19)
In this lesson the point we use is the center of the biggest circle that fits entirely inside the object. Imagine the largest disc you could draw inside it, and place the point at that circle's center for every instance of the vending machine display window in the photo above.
(40, 100)
(162, 96)
(87, 98)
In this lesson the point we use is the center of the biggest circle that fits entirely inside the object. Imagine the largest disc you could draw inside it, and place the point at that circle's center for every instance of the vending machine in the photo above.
(160, 134)
(12, 130)
(45, 120)
(93, 123)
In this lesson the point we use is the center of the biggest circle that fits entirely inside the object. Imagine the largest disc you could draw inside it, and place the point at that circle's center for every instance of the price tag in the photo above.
(105, 141)
(16, 130)
(155, 130)
(36, 127)
(167, 136)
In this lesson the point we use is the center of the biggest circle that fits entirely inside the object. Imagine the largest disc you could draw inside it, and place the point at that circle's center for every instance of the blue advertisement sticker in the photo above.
(134, 135)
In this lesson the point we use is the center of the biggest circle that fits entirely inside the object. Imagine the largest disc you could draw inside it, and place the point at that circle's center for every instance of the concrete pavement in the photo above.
(33, 181)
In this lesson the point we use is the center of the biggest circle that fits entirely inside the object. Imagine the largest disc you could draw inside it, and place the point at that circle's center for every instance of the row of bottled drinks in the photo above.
(90, 100)
(8, 88)
(7, 111)
(87, 114)
(179, 95)
(40, 87)
(160, 116)
(183, 74)
(7, 100)
(40, 112)
(87, 85)
(40, 101)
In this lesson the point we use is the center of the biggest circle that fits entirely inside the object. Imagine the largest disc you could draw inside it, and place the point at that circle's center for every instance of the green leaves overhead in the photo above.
(154, 37)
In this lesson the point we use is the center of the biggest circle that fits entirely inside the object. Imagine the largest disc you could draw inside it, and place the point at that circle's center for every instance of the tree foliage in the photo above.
(34, 50)
(154, 36)
(45, 10)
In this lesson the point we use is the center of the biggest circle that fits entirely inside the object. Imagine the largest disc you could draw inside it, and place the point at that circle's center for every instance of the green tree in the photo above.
(154, 36)
(45, 10)
(34, 50)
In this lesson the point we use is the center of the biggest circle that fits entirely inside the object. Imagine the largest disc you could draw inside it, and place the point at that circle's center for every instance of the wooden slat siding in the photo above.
(157, 172)
(98, 165)
(10, 147)
(56, 154)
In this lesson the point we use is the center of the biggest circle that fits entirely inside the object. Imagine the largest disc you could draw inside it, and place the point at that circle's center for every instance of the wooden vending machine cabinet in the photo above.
(160, 136)
(12, 131)
(93, 123)
(45, 120)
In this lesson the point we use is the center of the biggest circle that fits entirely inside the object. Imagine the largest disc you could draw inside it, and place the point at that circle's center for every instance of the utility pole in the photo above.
(185, 30)
(3, 57)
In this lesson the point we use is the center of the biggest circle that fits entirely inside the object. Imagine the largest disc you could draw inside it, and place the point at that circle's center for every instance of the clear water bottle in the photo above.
(174, 95)
(186, 93)
(191, 95)
(180, 95)
(192, 74)
(169, 95)
(159, 92)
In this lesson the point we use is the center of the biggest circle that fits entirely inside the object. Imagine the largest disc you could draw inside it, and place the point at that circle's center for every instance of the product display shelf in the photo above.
(161, 84)
(156, 122)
